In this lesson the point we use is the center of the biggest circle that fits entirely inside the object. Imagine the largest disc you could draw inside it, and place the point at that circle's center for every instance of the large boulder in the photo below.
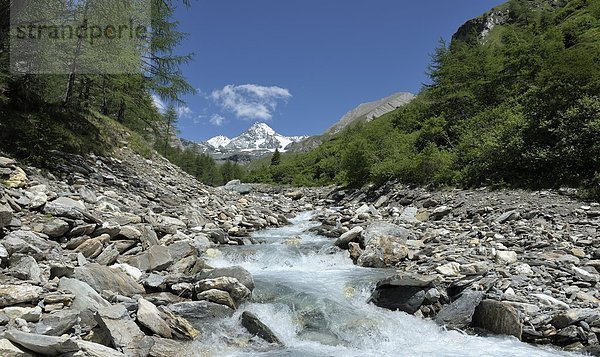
(201, 312)
(498, 317)
(385, 245)
(238, 186)
(101, 278)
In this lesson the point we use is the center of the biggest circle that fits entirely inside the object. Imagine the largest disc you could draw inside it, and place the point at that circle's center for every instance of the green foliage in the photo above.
(518, 108)
(276, 158)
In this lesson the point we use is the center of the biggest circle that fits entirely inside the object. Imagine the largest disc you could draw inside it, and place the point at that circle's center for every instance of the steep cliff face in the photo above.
(479, 28)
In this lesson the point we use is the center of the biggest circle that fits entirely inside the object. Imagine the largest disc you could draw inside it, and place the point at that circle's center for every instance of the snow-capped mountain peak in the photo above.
(219, 141)
(260, 139)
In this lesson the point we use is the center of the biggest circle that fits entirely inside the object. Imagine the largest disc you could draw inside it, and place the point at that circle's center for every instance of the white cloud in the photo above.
(250, 101)
(217, 120)
(158, 103)
(184, 112)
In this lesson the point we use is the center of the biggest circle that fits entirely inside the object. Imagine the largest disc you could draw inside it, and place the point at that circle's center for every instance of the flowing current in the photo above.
(315, 300)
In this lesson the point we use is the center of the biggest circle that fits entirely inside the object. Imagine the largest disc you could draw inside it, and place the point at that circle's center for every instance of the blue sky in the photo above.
(299, 65)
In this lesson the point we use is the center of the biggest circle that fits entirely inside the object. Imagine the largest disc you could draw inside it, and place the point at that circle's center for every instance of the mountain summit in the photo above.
(260, 139)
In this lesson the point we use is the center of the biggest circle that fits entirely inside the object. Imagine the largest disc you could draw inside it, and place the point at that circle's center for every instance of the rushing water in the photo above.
(315, 300)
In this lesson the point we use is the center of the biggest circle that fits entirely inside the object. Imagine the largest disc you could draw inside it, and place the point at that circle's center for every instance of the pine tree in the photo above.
(276, 159)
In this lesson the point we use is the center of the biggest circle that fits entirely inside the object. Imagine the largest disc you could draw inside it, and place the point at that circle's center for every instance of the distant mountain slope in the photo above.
(371, 110)
(259, 140)
(364, 112)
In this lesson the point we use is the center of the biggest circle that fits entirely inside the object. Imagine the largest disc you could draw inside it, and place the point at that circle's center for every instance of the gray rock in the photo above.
(508, 216)
(156, 258)
(506, 257)
(6, 215)
(28, 243)
(384, 229)
(149, 316)
(237, 186)
(8, 349)
(459, 313)
(29, 314)
(218, 297)
(66, 207)
(198, 312)
(168, 348)
(441, 212)
(43, 345)
(258, 328)
(236, 290)
(124, 334)
(344, 239)
(25, 268)
(91, 349)
(19, 294)
(498, 317)
(56, 228)
(241, 274)
(182, 249)
(108, 256)
(87, 301)
(574, 316)
(181, 328)
(405, 292)
(101, 278)
(57, 323)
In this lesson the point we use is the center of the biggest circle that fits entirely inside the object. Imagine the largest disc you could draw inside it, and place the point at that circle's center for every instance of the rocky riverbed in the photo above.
(109, 256)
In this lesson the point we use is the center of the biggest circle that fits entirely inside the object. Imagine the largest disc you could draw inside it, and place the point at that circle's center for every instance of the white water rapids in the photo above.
(315, 300)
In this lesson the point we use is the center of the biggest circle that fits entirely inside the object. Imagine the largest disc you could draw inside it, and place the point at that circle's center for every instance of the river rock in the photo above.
(156, 258)
(258, 328)
(241, 274)
(25, 268)
(56, 228)
(19, 294)
(506, 257)
(218, 297)
(459, 313)
(43, 345)
(123, 332)
(102, 278)
(8, 349)
(149, 316)
(181, 328)
(574, 316)
(29, 314)
(449, 269)
(346, 238)
(236, 290)
(92, 349)
(87, 301)
(238, 186)
(405, 292)
(498, 318)
(6, 215)
(28, 243)
(108, 256)
(198, 312)
(57, 323)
